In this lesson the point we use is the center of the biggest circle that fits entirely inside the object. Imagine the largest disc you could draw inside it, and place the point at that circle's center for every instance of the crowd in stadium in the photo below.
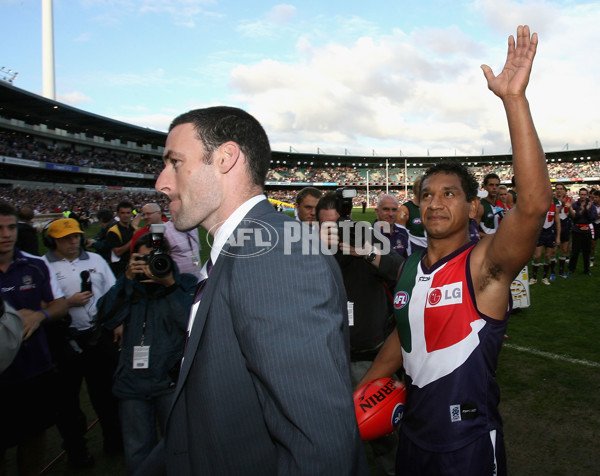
(24, 146)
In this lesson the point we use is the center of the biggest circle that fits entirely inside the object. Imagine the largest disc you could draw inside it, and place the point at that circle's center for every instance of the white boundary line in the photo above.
(552, 356)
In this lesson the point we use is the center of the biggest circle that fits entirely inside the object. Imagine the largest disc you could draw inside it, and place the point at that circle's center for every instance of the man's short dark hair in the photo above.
(326, 202)
(487, 178)
(124, 204)
(6, 209)
(25, 214)
(216, 125)
(105, 215)
(467, 181)
(306, 191)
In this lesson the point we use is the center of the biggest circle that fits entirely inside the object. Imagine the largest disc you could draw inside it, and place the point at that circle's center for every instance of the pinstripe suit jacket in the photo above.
(265, 385)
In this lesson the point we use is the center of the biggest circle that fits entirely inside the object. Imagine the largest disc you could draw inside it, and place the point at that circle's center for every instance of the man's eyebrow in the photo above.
(171, 154)
(445, 187)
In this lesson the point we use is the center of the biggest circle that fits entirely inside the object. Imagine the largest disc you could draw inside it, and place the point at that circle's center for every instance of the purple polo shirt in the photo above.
(25, 285)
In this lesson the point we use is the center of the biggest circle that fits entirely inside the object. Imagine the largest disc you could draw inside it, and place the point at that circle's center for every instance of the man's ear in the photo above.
(227, 156)
(473, 208)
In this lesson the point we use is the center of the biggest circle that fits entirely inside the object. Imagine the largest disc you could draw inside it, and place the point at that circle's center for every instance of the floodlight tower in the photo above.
(49, 89)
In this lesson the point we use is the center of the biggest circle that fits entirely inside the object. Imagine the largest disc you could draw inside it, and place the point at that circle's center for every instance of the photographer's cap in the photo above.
(63, 227)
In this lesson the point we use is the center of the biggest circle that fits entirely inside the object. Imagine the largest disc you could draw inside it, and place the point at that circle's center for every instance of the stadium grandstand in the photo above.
(56, 157)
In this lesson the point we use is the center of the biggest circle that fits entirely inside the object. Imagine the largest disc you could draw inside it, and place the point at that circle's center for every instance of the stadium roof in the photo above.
(33, 109)
(19, 104)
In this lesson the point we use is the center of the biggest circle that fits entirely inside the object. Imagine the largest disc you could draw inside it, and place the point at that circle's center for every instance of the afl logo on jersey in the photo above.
(401, 299)
(417, 221)
(435, 296)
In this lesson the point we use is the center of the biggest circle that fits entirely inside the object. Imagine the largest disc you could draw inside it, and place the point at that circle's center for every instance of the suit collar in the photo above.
(227, 228)
(259, 210)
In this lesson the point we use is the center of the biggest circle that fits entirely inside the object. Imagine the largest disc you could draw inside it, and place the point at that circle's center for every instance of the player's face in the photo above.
(444, 208)
(190, 183)
(306, 209)
(8, 233)
(583, 195)
(387, 210)
(502, 195)
(596, 199)
(492, 187)
(68, 246)
(560, 191)
(125, 215)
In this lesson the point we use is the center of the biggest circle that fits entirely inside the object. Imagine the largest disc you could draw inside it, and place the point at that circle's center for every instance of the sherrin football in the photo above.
(379, 406)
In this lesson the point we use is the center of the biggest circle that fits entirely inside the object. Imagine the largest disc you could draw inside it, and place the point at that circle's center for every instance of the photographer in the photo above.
(367, 266)
(153, 302)
(583, 212)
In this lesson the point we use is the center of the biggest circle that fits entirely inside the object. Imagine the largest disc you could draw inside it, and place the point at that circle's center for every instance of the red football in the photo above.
(379, 406)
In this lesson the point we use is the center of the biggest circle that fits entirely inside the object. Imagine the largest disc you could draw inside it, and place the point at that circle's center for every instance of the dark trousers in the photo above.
(91, 355)
(581, 242)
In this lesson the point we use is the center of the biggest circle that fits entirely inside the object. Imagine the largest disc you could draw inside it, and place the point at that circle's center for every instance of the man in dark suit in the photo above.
(264, 386)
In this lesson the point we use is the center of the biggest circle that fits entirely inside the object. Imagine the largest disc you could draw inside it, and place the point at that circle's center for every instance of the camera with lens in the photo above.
(346, 225)
(159, 261)
(353, 233)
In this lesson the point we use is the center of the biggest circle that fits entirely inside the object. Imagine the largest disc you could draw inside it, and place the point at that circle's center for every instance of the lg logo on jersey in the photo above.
(445, 295)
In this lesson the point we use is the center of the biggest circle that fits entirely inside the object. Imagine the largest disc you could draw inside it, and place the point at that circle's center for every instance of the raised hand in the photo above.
(514, 77)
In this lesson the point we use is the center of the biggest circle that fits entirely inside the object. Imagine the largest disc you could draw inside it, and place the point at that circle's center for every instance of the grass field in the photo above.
(549, 374)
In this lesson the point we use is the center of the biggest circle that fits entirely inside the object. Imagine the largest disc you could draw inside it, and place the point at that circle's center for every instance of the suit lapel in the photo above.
(224, 261)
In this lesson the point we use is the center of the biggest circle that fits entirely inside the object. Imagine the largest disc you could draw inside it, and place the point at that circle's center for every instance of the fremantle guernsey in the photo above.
(450, 353)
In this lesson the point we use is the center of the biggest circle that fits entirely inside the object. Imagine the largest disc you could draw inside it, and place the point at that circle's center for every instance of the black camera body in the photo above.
(346, 226)
(159, 261)
(353, 233)
(343, 202)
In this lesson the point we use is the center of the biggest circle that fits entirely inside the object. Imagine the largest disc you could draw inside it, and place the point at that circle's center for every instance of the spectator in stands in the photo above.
(27, 385)
(306, 203)
(91, 353)
(118, 238)
(154, 312)
(27, 237)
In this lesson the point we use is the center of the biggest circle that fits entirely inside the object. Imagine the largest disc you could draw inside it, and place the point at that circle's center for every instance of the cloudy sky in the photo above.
(379, 77)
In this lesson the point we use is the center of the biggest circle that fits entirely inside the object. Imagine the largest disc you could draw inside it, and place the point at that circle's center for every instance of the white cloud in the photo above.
(423, 90)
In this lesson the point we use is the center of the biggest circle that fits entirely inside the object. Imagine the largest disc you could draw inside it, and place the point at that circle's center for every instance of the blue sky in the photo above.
(375, 77)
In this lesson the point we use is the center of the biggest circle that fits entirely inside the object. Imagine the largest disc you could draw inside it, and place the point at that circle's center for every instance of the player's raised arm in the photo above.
(511, 247)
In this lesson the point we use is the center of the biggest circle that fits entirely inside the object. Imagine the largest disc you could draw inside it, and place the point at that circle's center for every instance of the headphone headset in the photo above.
(50, 242)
